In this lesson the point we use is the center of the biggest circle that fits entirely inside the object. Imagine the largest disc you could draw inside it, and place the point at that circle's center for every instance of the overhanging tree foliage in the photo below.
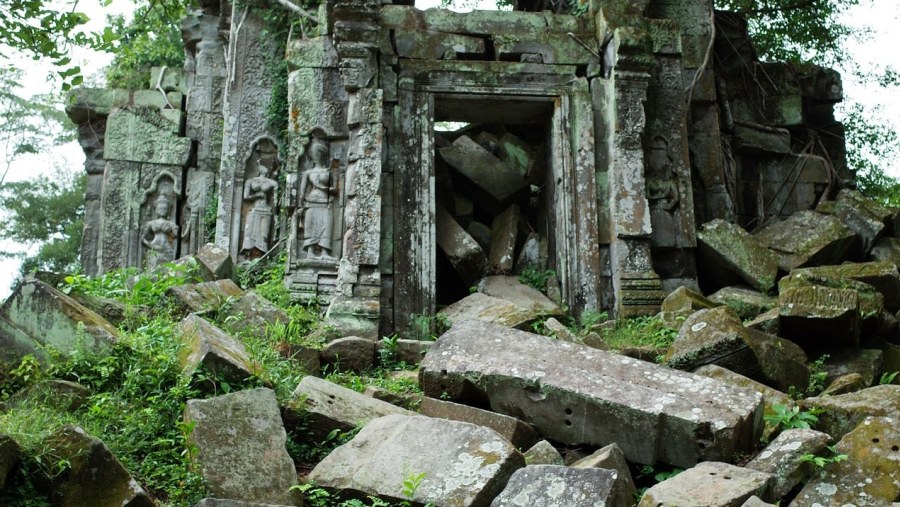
(151, 39)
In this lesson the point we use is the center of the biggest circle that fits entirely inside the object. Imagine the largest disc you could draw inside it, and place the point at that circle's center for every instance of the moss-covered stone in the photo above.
(840, 414)
(746, 302)
(727, 252)
(807, 238)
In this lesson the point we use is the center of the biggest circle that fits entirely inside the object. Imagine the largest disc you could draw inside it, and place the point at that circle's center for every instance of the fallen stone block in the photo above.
(254, 467)
(840, 414)
(504, 231)
(205, 346)
(37, 316)
(517, 432)
(464, 253)
(864, 216)
(253, 313)
(870, 476)
(203, 297)
(94, 476)
(887, 250)
(509, 288)
(755, 501)
(819, 317)
(518, 154)
(9, 457)
(216, 261)
(807, 238)
(329, 407)
(307, 357)
(556, 329)
(612, 458)
(783, 459)
(478, 306)
(543, 453)
(871, 302)
(560, 486)
(685, 301)
(218, 502)
(709, 484)
(530, 256)
(849, 383)
(59, 394)
(583, 396)
(410, 352)
(713, 336)
(782, 363)
(460, 464)
(881, 275)
(755, 139)
(726, 253)
(492, 175)
(349, 353)
(865, 362)
(746, 302)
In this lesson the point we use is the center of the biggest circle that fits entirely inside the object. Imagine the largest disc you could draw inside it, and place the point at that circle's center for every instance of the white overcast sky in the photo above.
(880, 50)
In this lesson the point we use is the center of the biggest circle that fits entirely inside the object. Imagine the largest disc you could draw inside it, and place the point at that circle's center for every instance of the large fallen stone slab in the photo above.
(481, 307)
(517, 432)
(864, 216)
(819, 317)
(215, 351)
(782, 362)
(807, 238)
(240, 447)
(685, 301)
(203, 297)
(492, 175)
(504, 231)
(726, 252)
(748, 303)
(713, 336)
(37, 316)
(869, 476)
(709, 484)
(867, 363)
(329, 407)
(840, 414)
(578, 395)
(61, 395)
(509, 288)
(349, 353)
(460, 464)
(559, 486)
(783, 458)
(94, 476)
(881, 275)
(464, 253)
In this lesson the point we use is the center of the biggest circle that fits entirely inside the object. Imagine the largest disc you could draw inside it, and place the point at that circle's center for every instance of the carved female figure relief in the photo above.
(260, 191)
(159, 234)
(316, 201)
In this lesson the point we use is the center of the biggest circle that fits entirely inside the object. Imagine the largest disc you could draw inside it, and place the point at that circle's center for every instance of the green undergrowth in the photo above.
(648, 332)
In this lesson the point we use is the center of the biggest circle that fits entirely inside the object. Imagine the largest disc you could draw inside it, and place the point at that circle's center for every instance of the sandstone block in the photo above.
(543, 453)
(728, 252)
(819, 317)
(881, 275)
(862, 215)
(487, 172)
(612, 458)
(842, 413)
(203, 297)
(714, 336)
(807, 238)
(350, 353)
(579, 395)
(464, 253)
(208, 347)
(254, 313)
(517, 432)
(509, 288)
(504, 231)
(782, 362)
(559, 486)
(685, 301)
(708, 484)
(746, 302)
(216, 260)
(478, 306)
(781, 458)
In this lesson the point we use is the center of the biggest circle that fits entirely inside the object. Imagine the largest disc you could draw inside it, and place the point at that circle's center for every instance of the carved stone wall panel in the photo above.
(159, 234)
(196, 227)
(317, 102)
(256, 216)
(119, 216)
(144, 135)
(205, 97)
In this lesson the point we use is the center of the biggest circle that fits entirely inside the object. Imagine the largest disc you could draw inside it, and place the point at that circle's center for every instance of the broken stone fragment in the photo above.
(253, 313)
(503, 241)
(881, 275)
(865, 362)
(331, 407)
(94, 476)
(782, 362)
(578, 395)
(517, 432)
(481, 234)
(509, 288)
(349, 353)
(410, 352)
(490, 174)
(807, 238)
(783, 459)
(216, 260)
(478, 306)
(612, 458)
(849, 383)
(206, 347)
(728, 253)
(748, 303)
(464, 253)
(556, 329)
(869, 476)
(709, 484)
(254, 467)
(203, 297)
(685, 301)
(459, 464)
(887, 250)
(840, 414)
(864, 216)
(530, 256)
(713, 336)
(819, 317)
(543, 453)
(755, 139)
(560, 486)
(517, 154)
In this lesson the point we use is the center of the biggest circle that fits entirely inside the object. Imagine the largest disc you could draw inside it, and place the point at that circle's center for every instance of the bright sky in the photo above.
(881, 17)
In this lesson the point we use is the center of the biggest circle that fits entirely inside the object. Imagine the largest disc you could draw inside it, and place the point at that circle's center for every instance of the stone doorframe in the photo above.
(571, 189)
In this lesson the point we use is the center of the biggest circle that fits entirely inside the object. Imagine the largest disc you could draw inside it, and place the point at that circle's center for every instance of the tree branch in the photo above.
(295, 8)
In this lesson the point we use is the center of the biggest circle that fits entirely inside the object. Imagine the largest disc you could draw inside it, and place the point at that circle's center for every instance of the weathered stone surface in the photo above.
(870, 476)
(478, 306)
(556, 329)
(411, 351)
(881, 275)
(216, 260)
(844, 412)
(144, 135)
(517, 432)
(329, 406)
(782, 362)
(579, 395)
(887, 250)
(612, 458)
(746, 302)
(807, 238)
(844, 384)
(755, 501)
(819, 317)
(37, 316)
(204, 297)
(463, 464)
(757, 139)
(504, 231)
(543, 453)
(517, 153)
(254, 467)
(559, 486)
(430, 45)
(781, 458)
(709, 484)
(494, 176)
(349, 353)
(9, 457)
(208, 347)
(862, 215)
(727, 252)
(866, 362)
(509, 288)
(94, 476)
(59, 394)
(464, 253)
(254, 313)
(112, 310)
(307, 357)
(218, 502)
(685, 301)
(766, 322)
(713, 336)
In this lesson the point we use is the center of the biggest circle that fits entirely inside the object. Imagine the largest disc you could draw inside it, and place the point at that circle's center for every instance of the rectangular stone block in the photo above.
(460, 248)
(503, 241)
(582, 396)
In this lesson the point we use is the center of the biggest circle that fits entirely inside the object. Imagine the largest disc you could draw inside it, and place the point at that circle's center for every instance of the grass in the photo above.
(641, 332)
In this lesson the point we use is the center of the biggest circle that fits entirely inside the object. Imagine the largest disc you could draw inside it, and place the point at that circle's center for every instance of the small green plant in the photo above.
(888, 377)
(823, 461)
(411, 484)
(786, 418)
(536, 278)
(428, 327)
(817, 376)
(647, 331)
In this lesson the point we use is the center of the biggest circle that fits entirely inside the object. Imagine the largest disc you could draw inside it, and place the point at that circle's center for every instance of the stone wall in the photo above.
(592, 146)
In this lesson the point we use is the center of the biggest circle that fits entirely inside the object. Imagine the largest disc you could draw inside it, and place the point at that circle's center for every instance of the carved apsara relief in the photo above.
(259, 198)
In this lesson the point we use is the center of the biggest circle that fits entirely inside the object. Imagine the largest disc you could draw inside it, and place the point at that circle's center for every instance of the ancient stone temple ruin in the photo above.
(425, 150)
